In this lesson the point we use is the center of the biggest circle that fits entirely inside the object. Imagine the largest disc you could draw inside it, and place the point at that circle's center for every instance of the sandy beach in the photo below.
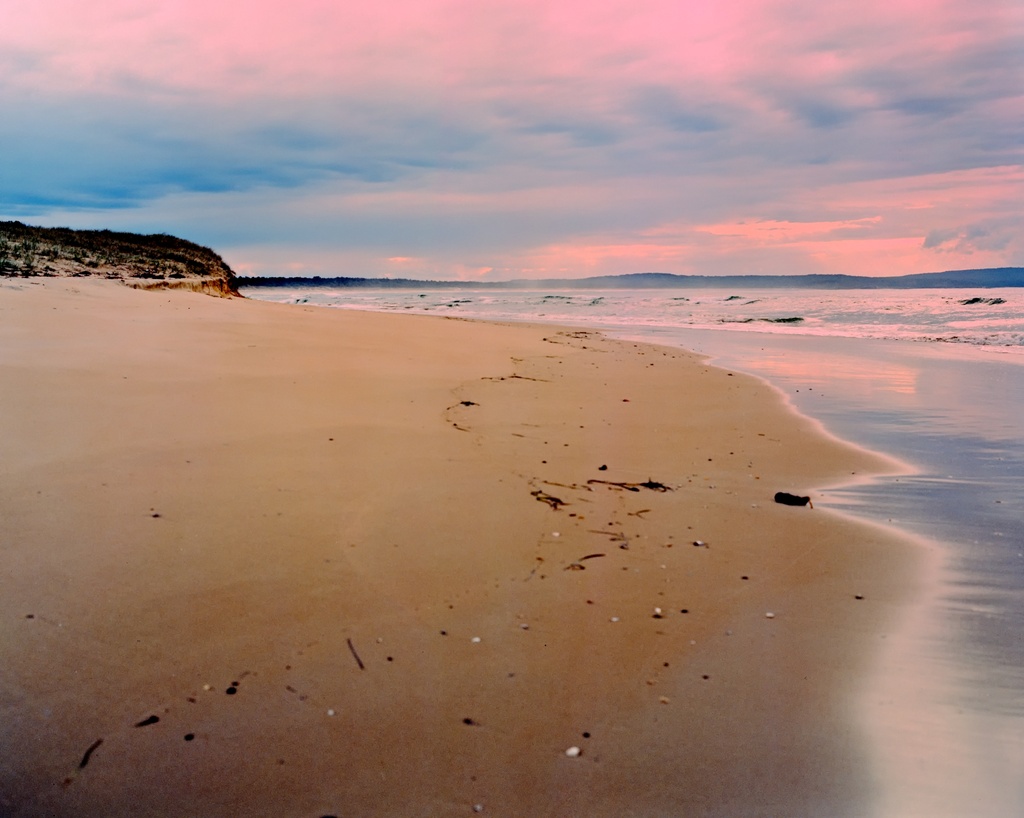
(261, 559)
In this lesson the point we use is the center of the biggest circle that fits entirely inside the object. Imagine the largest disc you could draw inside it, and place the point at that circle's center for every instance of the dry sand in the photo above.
(322, 549)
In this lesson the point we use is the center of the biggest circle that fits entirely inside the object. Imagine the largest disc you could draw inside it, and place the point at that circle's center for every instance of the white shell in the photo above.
(573, 752)
(769, 615)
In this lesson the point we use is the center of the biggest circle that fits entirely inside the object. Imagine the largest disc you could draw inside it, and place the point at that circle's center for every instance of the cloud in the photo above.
(664, 106)
(994, 236)
(523, 137)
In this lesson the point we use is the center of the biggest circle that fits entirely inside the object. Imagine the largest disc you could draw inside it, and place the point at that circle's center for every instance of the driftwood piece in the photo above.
(653, 485)
(89, 752)
(359, 661)
(550, 499)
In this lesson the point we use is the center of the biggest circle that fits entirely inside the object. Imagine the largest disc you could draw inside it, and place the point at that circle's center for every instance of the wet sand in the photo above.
(259, 559)
(946, 709)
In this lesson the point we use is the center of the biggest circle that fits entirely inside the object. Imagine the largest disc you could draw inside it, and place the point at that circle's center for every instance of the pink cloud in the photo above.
(774, 231)
(461, 44)
(461, 49)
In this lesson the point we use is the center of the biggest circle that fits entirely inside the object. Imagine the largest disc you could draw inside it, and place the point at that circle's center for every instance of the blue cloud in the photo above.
(668, 107)
(822, 113)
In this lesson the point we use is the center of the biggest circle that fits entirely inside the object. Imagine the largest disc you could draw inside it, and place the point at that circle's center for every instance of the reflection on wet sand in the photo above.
(847, 376)
(948, 706)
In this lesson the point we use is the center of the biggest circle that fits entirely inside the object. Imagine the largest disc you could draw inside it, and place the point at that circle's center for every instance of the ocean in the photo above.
(934, 378)
(991, 318)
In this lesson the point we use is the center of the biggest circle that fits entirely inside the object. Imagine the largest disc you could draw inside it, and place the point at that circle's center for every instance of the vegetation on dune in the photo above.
(155, 261)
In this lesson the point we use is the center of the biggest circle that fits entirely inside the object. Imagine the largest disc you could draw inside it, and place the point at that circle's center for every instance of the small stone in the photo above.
(330, 712)
(478, 807)
(614, 619)
(663, 699)
(573, 752)
(769, 615)
(475, 639)
(524, 626)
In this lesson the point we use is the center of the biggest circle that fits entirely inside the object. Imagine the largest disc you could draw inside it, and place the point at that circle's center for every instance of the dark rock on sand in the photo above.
(787, 499)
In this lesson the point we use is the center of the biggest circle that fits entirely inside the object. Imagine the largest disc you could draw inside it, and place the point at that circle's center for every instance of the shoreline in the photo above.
(305, 499)
(948, 706)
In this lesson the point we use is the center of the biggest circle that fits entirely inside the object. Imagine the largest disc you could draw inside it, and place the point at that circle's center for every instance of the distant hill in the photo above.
(149, 262)
(982, 278)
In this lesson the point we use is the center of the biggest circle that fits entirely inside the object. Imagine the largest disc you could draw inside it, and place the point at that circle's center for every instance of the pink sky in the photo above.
(480, 139)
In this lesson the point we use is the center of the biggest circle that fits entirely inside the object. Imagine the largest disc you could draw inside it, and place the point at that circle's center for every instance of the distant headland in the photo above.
(147, 262)
(985, 278)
